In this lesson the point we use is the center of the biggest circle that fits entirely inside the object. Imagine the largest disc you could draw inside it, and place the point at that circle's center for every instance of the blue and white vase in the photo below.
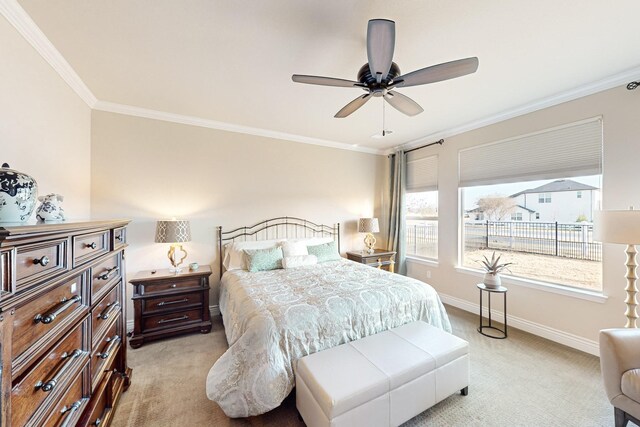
(18, 193)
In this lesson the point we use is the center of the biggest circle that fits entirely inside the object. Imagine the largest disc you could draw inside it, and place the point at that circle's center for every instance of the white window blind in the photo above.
(422, 172)
(562, 152)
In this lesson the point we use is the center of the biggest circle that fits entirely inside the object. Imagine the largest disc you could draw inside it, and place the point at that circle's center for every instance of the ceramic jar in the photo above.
(492, 281)
(18, 193)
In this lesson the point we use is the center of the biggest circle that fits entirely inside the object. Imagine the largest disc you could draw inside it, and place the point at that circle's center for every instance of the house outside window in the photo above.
(421, 205)
(544, 198)
(557, 248)
(579, 194)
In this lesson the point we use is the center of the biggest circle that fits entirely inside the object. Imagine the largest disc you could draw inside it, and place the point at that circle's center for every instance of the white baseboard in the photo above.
(556, 335)
(213, 309)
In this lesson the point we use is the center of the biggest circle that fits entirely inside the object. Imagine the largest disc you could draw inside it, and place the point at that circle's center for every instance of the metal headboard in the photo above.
(284, 227)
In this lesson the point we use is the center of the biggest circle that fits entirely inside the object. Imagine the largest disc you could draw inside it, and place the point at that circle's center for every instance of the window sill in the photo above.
(594, 296)
(424, 261)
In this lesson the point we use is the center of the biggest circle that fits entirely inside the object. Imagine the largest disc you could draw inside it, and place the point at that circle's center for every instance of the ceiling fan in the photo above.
(381, 75)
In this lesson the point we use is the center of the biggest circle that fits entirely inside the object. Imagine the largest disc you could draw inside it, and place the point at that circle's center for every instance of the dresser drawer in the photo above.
(104, 275)
(165, 286)
(89, 246)
(39, 262)
(100, 403)
(102, 313)
(104, 351)
(173, 302)
(119, 238)
(7, 273)
(44, 318)
(171, 320)
(67, 412)
(51, 374)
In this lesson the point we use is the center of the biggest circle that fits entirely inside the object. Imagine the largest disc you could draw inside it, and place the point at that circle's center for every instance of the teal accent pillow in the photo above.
(325, 252)
(263, 259)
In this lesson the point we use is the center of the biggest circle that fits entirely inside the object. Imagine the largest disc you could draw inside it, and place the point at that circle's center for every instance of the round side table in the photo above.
(502, 333)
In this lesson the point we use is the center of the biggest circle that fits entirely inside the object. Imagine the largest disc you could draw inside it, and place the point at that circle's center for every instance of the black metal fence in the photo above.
(546, 238)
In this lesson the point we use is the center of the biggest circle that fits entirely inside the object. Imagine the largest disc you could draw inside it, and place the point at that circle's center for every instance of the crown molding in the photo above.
(21, 20)
(610, 82)
(130, 110)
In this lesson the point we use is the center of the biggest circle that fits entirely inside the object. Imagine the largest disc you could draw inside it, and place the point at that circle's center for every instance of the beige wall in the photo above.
(44, 125)
(578, 318)
(146, 169)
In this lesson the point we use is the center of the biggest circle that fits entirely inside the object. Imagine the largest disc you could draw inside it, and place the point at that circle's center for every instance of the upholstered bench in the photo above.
(383, 379)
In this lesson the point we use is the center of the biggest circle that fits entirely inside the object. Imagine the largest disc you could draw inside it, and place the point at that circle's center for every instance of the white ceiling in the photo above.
(232, 61)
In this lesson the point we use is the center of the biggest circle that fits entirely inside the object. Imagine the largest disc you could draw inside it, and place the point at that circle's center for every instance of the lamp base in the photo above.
(631, 289)
(370, 242)
(172, 257)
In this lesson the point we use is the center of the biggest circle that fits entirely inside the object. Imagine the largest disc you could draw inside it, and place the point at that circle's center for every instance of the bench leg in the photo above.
(465, 391)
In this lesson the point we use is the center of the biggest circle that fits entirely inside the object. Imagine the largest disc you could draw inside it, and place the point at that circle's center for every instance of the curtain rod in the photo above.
(425, 146)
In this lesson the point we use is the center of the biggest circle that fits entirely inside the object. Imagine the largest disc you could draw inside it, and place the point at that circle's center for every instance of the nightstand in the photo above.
(380, 258)
(167, 304)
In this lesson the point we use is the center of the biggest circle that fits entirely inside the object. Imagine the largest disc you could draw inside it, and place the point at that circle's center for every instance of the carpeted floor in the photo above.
(521, 381)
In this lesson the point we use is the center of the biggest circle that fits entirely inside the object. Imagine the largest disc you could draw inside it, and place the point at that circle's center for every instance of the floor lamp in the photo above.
(622, 227)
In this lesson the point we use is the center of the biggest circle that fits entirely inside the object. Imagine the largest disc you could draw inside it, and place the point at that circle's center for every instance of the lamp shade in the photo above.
(368, 225)
(173, 231)
(617, 226)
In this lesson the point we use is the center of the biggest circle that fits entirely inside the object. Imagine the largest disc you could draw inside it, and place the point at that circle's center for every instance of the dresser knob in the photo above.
(92, 245)
(174, 285)
(42, 261)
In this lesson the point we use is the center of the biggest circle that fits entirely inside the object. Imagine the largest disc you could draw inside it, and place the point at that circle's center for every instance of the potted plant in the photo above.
(492, 270)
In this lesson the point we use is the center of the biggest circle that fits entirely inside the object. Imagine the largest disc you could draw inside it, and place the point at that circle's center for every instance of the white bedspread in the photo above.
(273, 318)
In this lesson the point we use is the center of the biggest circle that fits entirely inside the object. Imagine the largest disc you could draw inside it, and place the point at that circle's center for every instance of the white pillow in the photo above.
(313, 241)
(234, 255)
(291, 249)
(299, 261)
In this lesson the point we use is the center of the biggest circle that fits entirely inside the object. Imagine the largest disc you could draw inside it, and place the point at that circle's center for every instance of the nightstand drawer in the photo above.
(171, 320)
(163, 304)
(176, 284)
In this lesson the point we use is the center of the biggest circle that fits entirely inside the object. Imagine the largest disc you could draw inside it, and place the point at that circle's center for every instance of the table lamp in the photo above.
(622, 227)
(174, 231)
(369, 226)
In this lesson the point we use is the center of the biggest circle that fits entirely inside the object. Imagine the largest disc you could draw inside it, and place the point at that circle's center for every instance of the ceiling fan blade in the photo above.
(437, 73)
(353, 106)
(324, 81)
(403, 103)
(381, 40)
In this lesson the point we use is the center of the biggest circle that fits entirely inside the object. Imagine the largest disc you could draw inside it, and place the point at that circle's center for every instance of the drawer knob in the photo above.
(112, 343)
(174, 285)
(42, 261)
(49, 385)
(92, 245)
(69, 411)
(108, 310)
(119, 237)
(50, 316)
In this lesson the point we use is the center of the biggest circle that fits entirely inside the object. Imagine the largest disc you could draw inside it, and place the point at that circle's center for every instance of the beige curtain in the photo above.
(396, 239)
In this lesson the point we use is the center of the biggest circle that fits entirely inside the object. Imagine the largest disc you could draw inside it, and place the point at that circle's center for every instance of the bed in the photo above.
(273, 318)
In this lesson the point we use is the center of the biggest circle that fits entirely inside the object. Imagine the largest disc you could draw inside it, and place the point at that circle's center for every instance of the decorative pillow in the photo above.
(313, 241)
(299, 261)
(263, 259)
(291, 249)
(234, 255)
(325, 252)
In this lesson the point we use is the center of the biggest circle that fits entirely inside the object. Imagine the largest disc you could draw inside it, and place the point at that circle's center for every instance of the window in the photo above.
(498, 179)
(421, 205)
(579, 194)
(544, 198)
(516, 216)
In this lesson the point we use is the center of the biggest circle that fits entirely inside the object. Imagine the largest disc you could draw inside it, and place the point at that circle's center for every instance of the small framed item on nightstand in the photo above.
(167, 304)
(380, 258)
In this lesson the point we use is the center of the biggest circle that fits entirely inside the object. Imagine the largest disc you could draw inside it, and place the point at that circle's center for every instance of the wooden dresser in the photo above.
(167, 304)
(62, 323)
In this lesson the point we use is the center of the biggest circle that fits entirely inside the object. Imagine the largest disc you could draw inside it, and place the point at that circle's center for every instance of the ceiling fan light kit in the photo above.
(380, 75)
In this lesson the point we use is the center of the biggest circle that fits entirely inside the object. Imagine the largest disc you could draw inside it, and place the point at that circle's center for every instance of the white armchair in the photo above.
(620, 362)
